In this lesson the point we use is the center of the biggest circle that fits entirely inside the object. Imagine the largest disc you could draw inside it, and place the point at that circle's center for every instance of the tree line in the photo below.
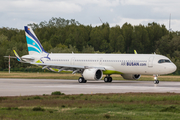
(64, 36)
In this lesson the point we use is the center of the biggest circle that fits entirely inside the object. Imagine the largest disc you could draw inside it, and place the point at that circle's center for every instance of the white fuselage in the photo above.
(119, 63)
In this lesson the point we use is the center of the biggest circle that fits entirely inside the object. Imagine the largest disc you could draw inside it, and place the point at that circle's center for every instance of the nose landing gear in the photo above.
(156, 81)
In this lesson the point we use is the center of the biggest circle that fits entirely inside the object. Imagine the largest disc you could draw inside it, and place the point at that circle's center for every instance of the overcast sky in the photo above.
(18, 13)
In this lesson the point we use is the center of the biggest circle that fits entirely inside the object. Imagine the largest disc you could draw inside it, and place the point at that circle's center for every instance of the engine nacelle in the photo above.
(131, 76)
(92, 74)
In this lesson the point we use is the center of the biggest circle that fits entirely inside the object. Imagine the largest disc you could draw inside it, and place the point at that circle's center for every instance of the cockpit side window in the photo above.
(164, 61)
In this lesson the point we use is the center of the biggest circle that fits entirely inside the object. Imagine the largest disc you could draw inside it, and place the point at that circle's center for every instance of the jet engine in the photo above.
(92, 74)
(131, 76)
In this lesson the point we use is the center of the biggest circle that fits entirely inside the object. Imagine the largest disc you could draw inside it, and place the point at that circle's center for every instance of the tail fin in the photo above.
(34, 46)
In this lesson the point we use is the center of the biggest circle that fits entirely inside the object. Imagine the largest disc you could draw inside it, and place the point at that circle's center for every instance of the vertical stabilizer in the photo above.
(34, 46)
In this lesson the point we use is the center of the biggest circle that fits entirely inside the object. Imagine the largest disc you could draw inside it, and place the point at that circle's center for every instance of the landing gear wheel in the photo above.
(108, 79)
(82, 80)
(156, 82)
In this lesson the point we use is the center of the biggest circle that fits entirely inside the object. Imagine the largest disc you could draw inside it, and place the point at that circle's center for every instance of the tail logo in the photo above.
(34, 46)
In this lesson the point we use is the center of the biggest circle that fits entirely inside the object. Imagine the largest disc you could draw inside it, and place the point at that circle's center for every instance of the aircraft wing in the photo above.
(61, 67)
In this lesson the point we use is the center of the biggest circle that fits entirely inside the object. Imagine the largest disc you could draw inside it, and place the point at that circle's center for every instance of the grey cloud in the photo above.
(17, 13)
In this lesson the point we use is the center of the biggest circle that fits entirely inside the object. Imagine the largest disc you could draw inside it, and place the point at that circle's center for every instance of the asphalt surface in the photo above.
(21, 87)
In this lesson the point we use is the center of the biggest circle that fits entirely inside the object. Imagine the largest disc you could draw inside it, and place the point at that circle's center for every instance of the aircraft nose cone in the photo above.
(173, 68)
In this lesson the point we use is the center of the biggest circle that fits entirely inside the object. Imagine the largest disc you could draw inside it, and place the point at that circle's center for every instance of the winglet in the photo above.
(17, 56)
(135, 52)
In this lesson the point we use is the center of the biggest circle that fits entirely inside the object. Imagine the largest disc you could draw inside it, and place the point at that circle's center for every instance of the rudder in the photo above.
(34, 46)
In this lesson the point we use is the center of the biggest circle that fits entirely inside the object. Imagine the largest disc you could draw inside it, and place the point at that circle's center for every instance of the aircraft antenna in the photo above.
(9, 64)
(170, 23)
(100, 20)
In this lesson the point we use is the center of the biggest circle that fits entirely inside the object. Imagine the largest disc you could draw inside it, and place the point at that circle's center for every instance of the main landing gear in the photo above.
(156, 81)
(82, 80)
(108, 79)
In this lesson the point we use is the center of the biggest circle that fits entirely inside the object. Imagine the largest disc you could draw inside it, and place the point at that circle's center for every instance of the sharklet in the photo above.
(45, 67)
(61, 69)
(75, 71)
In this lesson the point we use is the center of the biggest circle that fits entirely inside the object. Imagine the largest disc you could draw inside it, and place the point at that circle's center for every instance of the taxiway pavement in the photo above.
(21, 87)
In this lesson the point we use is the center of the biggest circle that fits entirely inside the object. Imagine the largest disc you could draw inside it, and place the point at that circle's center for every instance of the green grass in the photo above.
(129, 106)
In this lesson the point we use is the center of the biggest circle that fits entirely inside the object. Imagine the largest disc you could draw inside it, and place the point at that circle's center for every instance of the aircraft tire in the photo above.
(156, 81)
(84, 81)
(110, 79)
(81, 80)
(106, 79)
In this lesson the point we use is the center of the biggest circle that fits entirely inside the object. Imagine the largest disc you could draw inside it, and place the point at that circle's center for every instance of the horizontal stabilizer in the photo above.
(10, 56)
(27, 57)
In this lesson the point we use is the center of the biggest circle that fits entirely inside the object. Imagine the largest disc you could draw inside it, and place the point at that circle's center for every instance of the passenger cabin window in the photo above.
(164, 61)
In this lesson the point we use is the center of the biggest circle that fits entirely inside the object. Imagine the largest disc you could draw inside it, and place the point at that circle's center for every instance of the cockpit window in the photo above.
(164, 61)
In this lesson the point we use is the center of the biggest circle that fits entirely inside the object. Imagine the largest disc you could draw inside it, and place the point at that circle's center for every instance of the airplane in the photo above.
(93, 66)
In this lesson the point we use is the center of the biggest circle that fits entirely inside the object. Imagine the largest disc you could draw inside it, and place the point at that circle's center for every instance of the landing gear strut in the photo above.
(156, 81)
(82, 80)
(108, 79)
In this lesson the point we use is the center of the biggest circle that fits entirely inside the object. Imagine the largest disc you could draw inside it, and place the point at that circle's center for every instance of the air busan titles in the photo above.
(93, 66)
